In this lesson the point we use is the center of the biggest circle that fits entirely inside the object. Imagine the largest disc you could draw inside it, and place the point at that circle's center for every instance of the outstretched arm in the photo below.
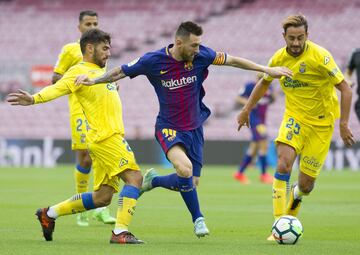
(110, 76)
(275, 72)
(258, 92)
(20, 98)
(46, 94)
(346, 96)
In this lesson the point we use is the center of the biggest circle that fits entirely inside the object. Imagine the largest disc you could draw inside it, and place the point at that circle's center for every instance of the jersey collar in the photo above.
(89, 64)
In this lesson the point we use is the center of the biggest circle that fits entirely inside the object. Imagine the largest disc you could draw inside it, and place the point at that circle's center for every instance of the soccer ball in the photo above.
(287, 230)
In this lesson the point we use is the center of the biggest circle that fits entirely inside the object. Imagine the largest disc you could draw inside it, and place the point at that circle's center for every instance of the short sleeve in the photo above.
(138, 66)
(329, 68)
(213, 57)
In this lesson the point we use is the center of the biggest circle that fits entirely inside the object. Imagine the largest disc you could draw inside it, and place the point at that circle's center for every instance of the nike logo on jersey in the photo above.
(163, 72)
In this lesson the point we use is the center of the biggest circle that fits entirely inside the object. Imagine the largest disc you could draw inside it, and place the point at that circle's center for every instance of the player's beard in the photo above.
(188, 58)
(299, 50)
(97, 59)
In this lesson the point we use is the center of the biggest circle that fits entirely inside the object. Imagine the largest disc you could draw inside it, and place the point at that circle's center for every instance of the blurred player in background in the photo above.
(112, 157)
(311, 108)
(354, 64)
(258, 144)
(177, 72)
(71, 55)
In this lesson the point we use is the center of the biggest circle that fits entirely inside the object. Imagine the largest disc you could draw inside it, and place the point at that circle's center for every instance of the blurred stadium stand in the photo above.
(34, 31)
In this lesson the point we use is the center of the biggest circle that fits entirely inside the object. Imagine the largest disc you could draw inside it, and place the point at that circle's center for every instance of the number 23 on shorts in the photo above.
(291, 124)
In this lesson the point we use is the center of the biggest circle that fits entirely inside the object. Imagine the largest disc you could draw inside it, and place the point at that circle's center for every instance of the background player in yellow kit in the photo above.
(112, 156)
(71, 55)
(311, 107)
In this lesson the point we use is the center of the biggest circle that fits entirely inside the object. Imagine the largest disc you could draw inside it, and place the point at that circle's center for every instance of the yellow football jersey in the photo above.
(310, 94)
(70, 55)
(101, 103)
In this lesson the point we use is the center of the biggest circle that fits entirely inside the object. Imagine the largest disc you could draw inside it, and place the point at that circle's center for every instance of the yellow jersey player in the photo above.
(70, 56)
(111, 155)
(311, 107)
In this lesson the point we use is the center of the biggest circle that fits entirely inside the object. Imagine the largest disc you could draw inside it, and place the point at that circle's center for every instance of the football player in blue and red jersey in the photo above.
(177, 73)
(258, 144)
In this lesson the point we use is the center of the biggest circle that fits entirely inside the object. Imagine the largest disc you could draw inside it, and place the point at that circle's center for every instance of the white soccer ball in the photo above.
(287, 230)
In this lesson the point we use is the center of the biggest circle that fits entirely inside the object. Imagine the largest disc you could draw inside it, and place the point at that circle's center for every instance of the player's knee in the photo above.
(263, 149)
(184, 169)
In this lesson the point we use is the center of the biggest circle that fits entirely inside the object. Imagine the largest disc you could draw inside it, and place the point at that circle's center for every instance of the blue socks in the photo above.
(246, 161)
(263, 163)
(189, 195)
(168, 182)
(187, 190)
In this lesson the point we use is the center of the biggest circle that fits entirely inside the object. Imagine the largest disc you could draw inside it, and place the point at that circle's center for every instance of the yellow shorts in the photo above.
(111, 157)
(79, 128)
(312, 142)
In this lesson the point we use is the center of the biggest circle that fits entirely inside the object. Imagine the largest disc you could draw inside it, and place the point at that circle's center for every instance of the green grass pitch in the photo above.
(239, 217)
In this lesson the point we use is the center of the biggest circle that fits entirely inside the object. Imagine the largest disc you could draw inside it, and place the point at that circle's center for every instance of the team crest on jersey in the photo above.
(302, 68)
(123, 162)
(326, 60)
(111, 86)
(289, 135)
(188, 66)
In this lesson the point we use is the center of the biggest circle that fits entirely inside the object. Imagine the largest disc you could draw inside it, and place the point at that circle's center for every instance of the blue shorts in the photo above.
(192, 141)
(258, 133)
(258, 130)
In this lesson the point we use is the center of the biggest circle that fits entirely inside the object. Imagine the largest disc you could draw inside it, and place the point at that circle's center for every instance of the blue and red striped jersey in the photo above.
(178, 85)
(258, 114)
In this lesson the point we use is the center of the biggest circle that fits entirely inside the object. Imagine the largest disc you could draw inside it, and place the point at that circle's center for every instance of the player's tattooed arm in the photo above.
(111, 76)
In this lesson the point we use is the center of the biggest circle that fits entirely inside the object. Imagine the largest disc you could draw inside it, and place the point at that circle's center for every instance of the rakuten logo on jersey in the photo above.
(175, 84)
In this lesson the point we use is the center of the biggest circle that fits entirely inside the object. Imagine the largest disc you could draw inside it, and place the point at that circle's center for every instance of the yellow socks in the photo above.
(77, 203)
(82, 179)
(127, 204)
(279, 194)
